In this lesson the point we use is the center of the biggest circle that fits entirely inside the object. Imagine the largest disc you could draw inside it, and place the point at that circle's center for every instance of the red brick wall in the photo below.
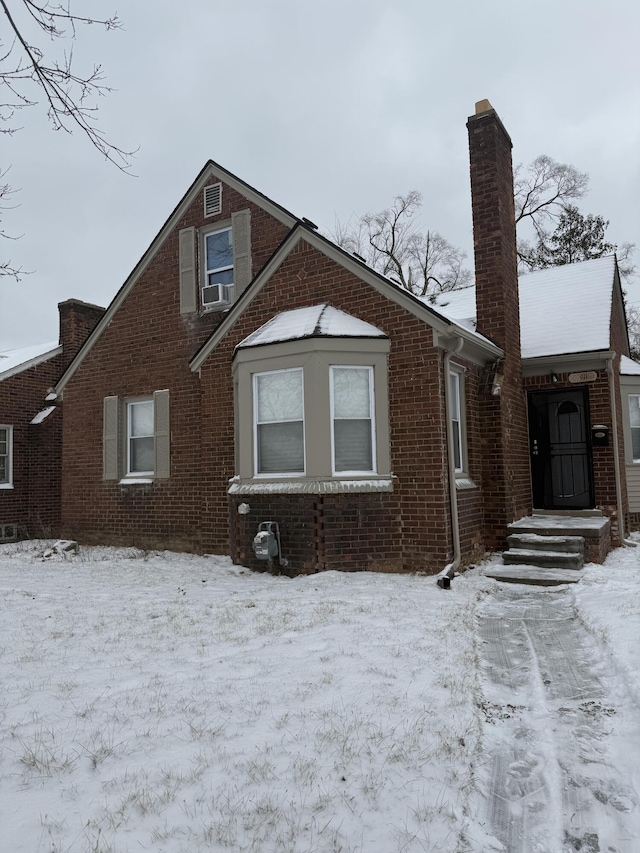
(145, 348)
(45, 480)
(21, 398)
(506, 481)
(408, 529)
(77, 321)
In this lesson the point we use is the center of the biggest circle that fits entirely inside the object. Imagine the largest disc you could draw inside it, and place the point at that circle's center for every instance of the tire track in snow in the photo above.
(553, 776)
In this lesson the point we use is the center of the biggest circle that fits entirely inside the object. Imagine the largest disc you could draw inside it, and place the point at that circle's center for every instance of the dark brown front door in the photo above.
(561, 469)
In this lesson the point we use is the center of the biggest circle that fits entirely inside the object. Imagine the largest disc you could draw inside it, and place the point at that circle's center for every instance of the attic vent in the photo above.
(213, 200)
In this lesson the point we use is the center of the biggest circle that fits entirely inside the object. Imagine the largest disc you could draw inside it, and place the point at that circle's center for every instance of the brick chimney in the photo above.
(77, 321)
(506, 473)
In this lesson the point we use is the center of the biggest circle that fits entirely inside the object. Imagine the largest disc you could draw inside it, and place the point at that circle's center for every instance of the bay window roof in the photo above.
(312, 321)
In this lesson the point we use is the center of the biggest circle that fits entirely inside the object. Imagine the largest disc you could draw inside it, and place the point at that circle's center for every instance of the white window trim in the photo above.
(372, 417)
(463, 480)
(129, 404)
(631, 428)
(228, 290)
(288, 474)
(8, 483)
(457, 424)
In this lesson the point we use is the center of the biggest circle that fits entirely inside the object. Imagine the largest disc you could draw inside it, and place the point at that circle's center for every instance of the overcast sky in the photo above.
(329, 108)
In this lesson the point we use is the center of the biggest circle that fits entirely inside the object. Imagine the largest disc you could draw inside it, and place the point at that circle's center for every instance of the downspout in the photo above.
(444, 578)
(616, 447)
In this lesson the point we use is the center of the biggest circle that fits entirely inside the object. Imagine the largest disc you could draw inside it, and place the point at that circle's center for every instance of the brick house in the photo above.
(31, 426)
(251, 373)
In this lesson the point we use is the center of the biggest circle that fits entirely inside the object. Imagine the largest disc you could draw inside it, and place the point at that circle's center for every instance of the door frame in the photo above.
(538, 472)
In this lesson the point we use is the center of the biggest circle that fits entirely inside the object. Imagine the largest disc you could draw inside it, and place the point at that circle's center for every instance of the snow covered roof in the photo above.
(310, 322)
(16, 360)
(565, 309)
(628, 367)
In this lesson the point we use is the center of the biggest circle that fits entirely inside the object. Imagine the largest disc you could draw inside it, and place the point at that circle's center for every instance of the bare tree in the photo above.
(392, 242)
(542, 190)
(37, 65)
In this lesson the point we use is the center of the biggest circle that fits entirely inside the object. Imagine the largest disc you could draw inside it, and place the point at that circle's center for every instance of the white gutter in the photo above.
(616, 447)
(450, 569)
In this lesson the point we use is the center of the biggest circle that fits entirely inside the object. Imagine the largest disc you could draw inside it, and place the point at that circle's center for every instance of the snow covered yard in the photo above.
(169, 702)
(175, 704)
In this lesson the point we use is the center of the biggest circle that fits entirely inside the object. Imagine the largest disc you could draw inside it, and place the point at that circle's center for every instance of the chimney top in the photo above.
(483, 106)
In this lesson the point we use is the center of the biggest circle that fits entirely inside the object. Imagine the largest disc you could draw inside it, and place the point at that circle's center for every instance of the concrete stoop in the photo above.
(549, 550)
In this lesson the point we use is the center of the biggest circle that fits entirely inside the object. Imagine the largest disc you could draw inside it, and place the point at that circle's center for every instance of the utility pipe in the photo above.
(616, 447)
(449, 570)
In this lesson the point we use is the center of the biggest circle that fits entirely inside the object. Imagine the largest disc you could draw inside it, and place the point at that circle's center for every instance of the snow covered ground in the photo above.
(175, 704)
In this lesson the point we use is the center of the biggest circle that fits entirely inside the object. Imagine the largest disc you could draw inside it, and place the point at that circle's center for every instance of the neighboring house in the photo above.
(31, 427)
(251, 374)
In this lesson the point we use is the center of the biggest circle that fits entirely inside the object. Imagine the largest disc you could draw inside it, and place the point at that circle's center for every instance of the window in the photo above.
(136, 437)
(279, 422)
(140, 437)
(352, 422)
(456, 421)
(214, 263)
(6, 436)
(634, 417)
(218, 264)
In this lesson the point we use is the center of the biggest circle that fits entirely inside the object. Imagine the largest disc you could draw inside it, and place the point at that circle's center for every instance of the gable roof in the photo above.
(477, 347)
(314, 321)
(16, 360)
(209, 171)
(563, 310)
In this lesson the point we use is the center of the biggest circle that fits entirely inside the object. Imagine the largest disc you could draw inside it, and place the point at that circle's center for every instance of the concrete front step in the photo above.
(542, 559)
(535, 542)
(533, 575)
(594, 529)
(561, 525)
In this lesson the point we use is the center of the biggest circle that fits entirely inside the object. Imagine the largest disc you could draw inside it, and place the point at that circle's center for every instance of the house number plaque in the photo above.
(586, 376)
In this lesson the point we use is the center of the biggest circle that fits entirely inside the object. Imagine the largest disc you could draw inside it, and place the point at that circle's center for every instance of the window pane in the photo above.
(142, 452)
(4, 469)
(457, 458)
(280, 448)
(635, 443)
(279, 396)
(141, 415)
(634, 410)
(351, 398)
(219, 249)
(455, 396)
(352, 440)
(3, 442)
(220, 277)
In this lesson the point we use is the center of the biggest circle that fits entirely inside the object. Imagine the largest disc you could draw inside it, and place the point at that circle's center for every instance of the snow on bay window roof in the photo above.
(310, 322)
(564, 309)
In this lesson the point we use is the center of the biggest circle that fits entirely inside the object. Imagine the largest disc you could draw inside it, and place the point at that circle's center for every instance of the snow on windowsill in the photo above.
(307, 486)
(6, 485)
(135, 481)
(465, 483)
